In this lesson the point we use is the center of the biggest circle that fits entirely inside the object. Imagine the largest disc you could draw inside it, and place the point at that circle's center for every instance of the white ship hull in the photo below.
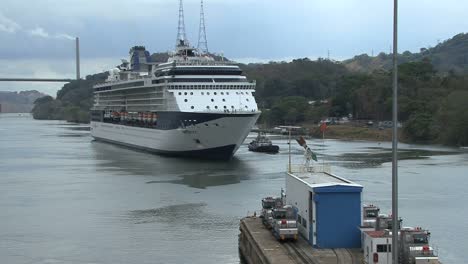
(217, 138)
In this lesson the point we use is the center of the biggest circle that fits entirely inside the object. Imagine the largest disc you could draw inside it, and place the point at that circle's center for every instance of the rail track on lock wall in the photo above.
(343, 256)
(297, 254)
(300, 252)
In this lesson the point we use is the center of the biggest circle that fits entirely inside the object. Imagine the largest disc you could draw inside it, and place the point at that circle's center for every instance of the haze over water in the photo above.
(67, 199)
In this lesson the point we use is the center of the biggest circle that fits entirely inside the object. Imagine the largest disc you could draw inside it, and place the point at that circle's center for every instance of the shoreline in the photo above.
(341, 132)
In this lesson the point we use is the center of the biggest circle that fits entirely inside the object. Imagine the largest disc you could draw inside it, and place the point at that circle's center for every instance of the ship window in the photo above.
(185, 93)
(185, 100)
(216, 124)
(237, 92)
(224, 100)
(246, 92)
(192, 107)
(216, 107)
(206, 124)
(212, 100)
(191, 93)
(232, 106)
(225, 107)
(227, 93)
(202, 93)
(207, 107)
(246, 107)
(208, 93)
(214, 93)
(247, 99)
(180, 93)
(222, 93)
(242, 93)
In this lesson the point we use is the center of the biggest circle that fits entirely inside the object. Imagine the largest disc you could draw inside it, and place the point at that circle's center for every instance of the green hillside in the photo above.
(72, 103)
(450, 55)
(432, 96)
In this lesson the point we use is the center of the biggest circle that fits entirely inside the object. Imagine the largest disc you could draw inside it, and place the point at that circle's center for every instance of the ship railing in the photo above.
(106, 82)
(206, 63)
(316, 168)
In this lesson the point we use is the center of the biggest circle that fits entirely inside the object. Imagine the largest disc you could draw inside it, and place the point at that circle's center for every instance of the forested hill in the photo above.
(450, 55)
(72, 103)
(432, 103)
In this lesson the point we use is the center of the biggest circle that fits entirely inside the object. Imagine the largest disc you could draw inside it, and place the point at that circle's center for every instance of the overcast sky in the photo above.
(36, 36)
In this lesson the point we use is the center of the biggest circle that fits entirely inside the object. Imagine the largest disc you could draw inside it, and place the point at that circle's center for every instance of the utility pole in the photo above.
(202, 42)
(395, 225)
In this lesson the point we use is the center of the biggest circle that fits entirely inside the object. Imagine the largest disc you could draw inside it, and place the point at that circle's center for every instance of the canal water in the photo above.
(65, 198)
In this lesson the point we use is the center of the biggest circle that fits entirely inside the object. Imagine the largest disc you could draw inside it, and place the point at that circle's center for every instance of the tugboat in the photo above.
(263, 144)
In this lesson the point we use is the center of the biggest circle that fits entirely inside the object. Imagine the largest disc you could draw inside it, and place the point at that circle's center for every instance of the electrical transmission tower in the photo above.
(202, 43)
(181, 37)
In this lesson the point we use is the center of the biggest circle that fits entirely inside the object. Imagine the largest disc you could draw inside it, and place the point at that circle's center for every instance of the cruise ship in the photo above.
(191, 106)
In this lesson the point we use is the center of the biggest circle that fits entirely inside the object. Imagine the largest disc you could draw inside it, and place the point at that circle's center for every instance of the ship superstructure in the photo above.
(191, 105)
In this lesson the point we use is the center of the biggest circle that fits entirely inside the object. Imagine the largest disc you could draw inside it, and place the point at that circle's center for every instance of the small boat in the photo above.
(263, 144)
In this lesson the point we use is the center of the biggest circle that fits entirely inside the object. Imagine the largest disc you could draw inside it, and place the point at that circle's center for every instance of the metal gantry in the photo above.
(181, 28)
(202, 42)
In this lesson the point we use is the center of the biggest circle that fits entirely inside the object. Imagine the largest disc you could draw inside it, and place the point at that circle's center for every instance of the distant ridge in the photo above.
(18, 102)
(449, 55)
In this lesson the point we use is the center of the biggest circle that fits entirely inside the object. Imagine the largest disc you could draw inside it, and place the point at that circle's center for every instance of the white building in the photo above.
(328, 207)
(377, 247)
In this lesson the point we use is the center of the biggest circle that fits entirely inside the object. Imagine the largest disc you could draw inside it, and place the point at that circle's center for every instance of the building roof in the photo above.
(325, 181)
(377, 234)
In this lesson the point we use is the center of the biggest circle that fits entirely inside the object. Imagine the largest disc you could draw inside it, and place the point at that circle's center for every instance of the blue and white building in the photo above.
(328, 207)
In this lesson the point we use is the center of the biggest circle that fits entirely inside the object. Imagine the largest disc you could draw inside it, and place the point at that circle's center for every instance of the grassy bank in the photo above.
(347, 132)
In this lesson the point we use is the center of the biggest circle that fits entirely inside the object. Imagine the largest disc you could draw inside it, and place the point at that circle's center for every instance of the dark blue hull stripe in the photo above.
(171, 120)
(218, 153)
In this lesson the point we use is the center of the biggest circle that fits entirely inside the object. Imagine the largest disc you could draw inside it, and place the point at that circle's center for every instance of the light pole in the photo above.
(77, 51)
(395, 137)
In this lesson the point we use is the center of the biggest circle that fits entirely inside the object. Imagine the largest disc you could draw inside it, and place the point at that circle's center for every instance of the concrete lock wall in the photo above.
(248, 247)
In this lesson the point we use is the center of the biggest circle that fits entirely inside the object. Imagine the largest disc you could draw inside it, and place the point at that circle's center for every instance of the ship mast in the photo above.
(181, 36)
(202, 42)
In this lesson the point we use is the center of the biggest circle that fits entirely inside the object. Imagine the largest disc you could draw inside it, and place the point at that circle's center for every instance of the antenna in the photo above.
(181, 37)
(202, 43)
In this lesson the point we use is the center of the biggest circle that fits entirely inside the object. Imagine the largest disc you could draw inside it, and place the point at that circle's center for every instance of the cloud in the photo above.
(41, 32)
(64, 36)
(8, 25)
